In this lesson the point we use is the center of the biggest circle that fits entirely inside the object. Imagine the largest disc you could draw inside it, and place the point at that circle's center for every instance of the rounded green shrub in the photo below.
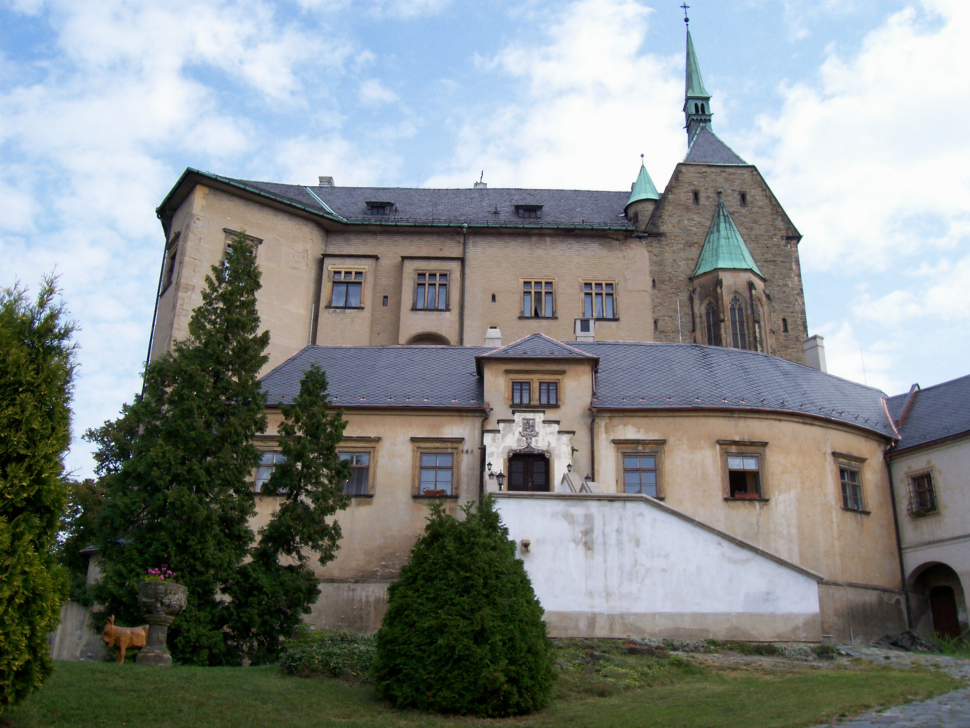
(463, 632)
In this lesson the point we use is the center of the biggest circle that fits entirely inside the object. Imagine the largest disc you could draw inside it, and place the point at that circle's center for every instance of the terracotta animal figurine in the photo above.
(123, 637)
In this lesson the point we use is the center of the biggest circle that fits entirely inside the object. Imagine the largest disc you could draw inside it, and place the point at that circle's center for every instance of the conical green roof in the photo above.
(724, 248)
(643, 188)
(695, 84)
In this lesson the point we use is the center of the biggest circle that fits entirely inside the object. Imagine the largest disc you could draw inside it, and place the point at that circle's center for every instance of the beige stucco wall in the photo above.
(939, 538)
(288, 258)
(802, 519)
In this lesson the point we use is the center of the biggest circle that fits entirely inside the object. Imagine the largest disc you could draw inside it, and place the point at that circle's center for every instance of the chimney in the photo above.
(814, 348)
(493, 337)
(481, 185)
(326, 182)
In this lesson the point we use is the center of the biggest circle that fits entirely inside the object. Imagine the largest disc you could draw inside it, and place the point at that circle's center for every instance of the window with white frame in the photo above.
(851, 481)
(268, 461)
(359, 481)
(744, 474)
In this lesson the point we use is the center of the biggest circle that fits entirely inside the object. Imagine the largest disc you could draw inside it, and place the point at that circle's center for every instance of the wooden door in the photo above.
(529, 472)
(943, 605)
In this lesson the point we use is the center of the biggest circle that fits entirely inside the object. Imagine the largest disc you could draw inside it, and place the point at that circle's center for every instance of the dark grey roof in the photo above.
(938, 412)
(491, 207)
(630, 376)
(707, 148)
(385, 376)
(537, 346)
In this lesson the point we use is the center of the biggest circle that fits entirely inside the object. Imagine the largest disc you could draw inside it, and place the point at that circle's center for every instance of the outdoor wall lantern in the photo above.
(569, 467)
(500, 477)
(488, 467)
(587, 479)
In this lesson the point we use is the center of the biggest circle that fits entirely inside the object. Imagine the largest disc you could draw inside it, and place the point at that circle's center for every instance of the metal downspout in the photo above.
(592, 444)
(482, 456)
(899, 543)
(461, 312)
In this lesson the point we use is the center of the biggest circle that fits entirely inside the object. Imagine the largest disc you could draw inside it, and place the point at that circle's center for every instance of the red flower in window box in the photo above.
(434, 492)
(749, 496)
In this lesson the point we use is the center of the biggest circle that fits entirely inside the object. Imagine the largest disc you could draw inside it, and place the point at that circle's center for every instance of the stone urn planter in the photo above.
(162, 602)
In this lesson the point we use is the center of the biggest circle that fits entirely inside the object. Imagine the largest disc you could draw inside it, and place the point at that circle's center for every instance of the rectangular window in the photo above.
(744, 475)
(359, 481)
(268, 460)
(851, 480)
(431, 291)
(529, 212)
(171, 257)
(598, 300)
(537, 299)
(347, 289)
(640, 474)
(436, 473)
(922, 495)
(521, 392)
(549, 393)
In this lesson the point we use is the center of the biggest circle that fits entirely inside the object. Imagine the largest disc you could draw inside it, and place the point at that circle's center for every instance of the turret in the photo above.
(643, 198)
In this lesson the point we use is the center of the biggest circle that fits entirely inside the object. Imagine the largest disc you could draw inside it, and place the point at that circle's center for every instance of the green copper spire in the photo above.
(724, 248)
(643, 188)
(695, 84)
(697, 102)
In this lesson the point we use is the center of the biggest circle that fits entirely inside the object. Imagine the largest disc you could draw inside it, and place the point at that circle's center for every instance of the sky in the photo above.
(852, 110)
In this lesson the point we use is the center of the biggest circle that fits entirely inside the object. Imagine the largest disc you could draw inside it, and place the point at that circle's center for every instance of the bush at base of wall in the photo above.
(331, 654)
(463, 632)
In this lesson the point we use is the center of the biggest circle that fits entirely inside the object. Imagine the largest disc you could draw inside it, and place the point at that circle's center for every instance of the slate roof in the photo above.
(724, 248)
(634, 376)
(938, 412)
(385, 376)
(536, 346)
(496, 207)
(707, 148)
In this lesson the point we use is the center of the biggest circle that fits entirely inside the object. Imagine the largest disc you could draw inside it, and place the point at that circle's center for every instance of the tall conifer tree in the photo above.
(177, 465)
(36, 372)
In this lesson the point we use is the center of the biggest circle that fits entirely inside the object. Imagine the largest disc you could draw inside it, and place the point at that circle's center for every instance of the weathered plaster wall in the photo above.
(634, 567)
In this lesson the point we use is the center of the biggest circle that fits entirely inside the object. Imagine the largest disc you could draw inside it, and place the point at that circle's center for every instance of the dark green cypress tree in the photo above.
(36, 372)
(271, 592)
(177, 465)
(463, 632)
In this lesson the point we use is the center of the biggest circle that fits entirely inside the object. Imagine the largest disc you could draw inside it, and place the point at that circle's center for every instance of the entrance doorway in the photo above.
(529, 472)
(943, 606)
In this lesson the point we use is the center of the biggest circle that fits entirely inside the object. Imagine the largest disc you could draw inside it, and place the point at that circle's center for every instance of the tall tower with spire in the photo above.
(697, 102)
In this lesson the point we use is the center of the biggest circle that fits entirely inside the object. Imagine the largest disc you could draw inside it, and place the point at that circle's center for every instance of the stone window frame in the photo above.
(611, 294)
(543, 281)
(437, 446)
(852, 463)
(368, 446)
(265, 445)
(739, 324)
(656, 448)
(343, 269)
(534, 379)
(912, 508)
(744, 448)
(227, 245)
(438, 286)
(171, 260)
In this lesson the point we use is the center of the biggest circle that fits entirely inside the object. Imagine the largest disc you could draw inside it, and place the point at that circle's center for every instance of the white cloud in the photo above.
(374, 93)
(590, 101)
(865, 157)
(848, 358)
(937, 294)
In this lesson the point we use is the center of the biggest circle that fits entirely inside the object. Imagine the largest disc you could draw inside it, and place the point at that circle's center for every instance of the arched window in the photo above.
(703, 108)
(713, 325)
(739, 339)
(697, 109)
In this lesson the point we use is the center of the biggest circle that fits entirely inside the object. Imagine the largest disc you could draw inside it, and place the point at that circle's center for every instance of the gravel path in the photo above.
(950, 710)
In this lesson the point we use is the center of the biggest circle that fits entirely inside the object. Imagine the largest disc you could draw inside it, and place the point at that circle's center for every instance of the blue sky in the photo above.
(853, 111)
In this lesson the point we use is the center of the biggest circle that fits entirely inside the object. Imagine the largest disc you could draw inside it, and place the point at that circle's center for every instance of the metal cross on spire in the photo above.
(685, 6)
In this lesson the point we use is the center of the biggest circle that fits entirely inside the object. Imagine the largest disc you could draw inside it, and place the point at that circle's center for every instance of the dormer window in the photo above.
(378, 208)
(529, 212)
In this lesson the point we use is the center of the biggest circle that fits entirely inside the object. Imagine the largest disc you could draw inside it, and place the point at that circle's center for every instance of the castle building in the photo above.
(624, 371)
(713, 260)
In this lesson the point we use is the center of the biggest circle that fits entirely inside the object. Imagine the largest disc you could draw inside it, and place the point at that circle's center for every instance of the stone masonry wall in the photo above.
(676, 233)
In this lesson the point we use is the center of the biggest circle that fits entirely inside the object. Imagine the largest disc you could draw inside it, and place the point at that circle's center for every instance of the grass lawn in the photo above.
(598, 686)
